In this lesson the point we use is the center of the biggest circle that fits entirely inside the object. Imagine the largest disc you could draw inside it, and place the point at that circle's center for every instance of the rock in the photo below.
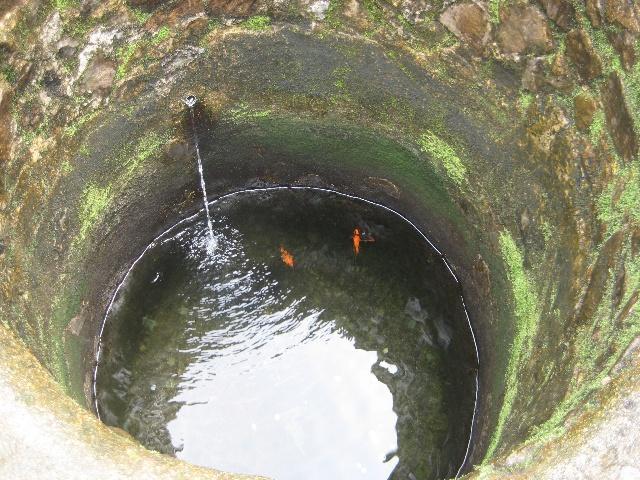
(524, 29)
(585, 107)
(88, 7)
(619, 286)
(635, 243)
(546, 123)
(52, 29)
(533, 78)
(560, 11)
(181, 15)
(538, 75)
(625, 13)
(632, 350)
(386, 185)
(584, 57)
(6, 98)
(51, 82)
(595, 12)
(524, 221)
(32, 115)
(145, 5)
(619, 120)
(625, 42)
(628, 472)
(416, 11)
(469, 22)
(100, 40)
(99, 76)
(561, 73)
(598, 278)
(319, 9)
(482, 274)
(67, 48)
(240, 8)
(75, 325)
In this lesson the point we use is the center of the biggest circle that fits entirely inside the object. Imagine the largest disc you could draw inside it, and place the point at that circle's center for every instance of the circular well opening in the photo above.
(323, 337)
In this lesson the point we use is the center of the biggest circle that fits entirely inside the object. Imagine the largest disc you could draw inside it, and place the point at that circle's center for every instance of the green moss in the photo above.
(140, 16)
(373, 10)
(442, 151)
(62, 5)
(78, 28)
(244, 112)
(161, 35)
(597, 126)
(257, 22)
(632, 89)
(547, 232)
(524, 100)
(332, 17)
(9, 74)
(526, 325)
(71, 130)
(594, 359)
(66, 167)
(619, 203)
(608, 55)
(494, 10)
(95, 203)
(149, 146)
(125, 55)
(347, 147)
(340, 75)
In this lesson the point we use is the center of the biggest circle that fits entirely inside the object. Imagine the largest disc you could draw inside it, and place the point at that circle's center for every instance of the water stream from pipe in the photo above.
(190, 102)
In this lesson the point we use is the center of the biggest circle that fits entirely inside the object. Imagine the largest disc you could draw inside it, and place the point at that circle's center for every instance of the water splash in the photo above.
(190, 101)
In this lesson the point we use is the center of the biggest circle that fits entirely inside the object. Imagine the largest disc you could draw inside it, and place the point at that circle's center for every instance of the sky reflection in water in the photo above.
(321, 371)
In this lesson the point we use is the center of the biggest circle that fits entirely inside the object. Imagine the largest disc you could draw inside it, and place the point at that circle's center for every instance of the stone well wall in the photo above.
(504, 129)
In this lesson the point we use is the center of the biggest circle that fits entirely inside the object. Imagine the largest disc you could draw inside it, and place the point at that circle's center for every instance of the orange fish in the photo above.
(356, 240)
(358, 237)
(287, 257)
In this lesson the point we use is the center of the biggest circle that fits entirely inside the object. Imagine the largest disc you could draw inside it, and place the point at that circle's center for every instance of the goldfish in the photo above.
(356, 241)
(358, 237)
(287, 257)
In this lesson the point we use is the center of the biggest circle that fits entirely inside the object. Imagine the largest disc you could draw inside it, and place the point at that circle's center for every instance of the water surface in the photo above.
(284, 353)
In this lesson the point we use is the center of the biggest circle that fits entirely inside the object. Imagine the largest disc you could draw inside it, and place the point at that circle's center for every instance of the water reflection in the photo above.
(334, 366)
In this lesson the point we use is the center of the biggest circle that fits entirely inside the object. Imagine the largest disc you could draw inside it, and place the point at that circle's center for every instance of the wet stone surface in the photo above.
(284, 353)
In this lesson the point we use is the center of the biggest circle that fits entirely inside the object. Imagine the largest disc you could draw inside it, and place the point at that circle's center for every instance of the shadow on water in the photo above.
(341, 366)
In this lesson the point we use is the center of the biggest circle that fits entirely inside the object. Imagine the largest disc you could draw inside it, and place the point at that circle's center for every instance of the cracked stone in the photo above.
(560, 11)
(625, 44)
(585, 107)
(581, 52)
(623, 12)
(619, 120)
(524, 29)
(469, 22)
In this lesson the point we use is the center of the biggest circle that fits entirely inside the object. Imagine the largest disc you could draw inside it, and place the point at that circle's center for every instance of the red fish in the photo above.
(287, 257)
(359, 237)
(356, 240)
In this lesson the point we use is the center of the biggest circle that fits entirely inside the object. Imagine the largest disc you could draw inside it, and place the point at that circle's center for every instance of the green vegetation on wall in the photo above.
(442, 151)
(257, 22)
(494, 10)
(95, 203)
(619, 203)
(124, 56)
(526, 319)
